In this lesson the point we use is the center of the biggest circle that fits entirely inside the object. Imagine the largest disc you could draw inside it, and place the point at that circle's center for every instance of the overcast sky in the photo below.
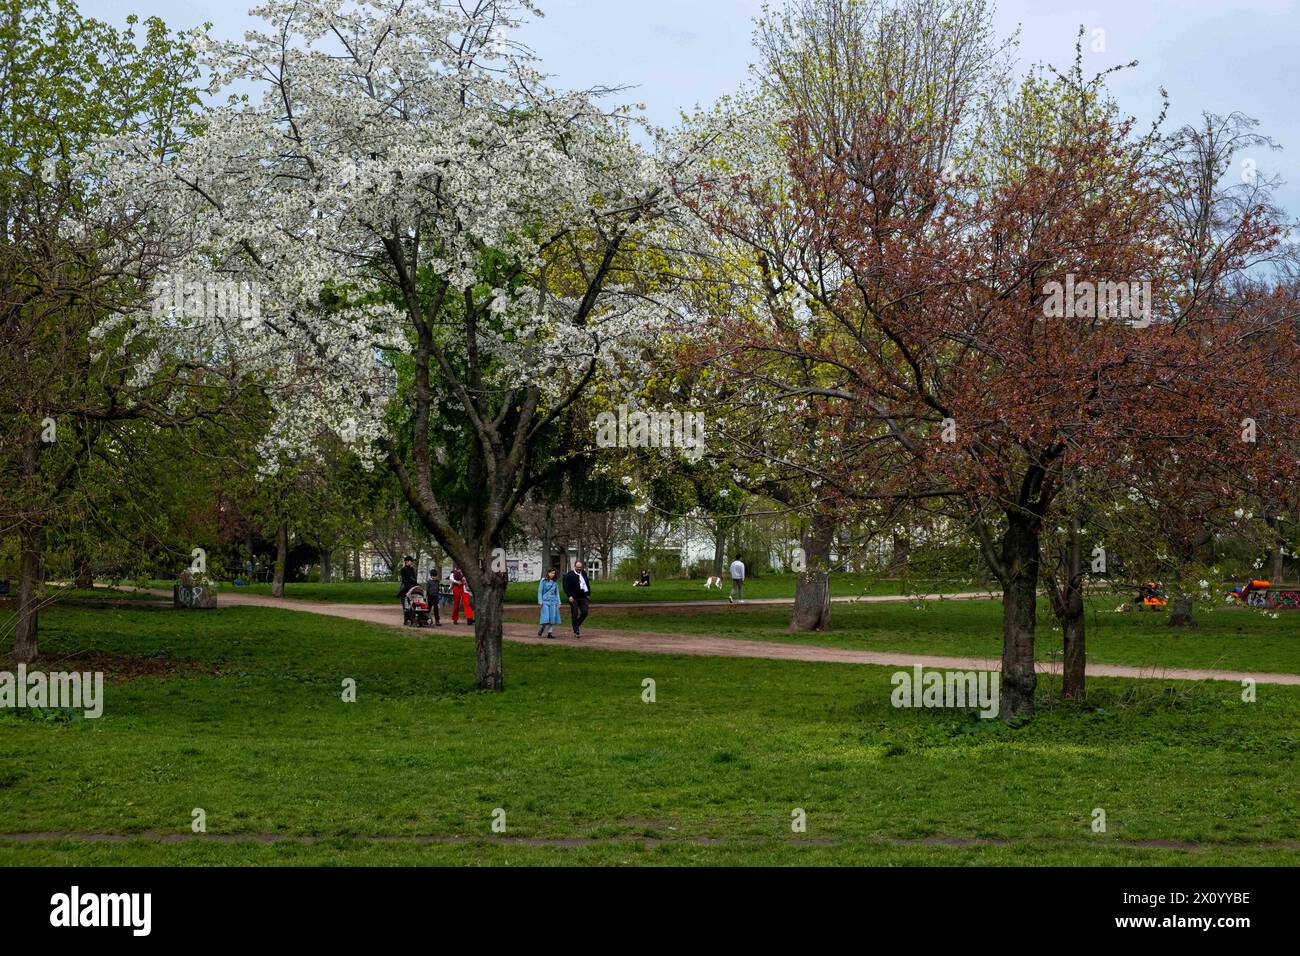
(1216, 55)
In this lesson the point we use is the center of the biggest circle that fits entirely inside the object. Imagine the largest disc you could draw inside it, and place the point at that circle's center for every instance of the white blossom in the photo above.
(373, 130)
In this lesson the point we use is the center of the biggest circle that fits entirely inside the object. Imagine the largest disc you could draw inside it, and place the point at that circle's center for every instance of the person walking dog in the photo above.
(737, 582)
(548, 598)
(577, 588)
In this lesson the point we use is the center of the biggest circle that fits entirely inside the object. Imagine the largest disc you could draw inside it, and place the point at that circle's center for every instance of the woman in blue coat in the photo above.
(548, 596)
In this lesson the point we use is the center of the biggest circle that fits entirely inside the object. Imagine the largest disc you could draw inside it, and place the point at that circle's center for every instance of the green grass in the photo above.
(787, 852)
(525, 592)
(53, 594)
(243, 718)
(1231, 638)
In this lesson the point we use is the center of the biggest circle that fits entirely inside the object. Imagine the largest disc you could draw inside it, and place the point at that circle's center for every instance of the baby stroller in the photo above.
(415, 613)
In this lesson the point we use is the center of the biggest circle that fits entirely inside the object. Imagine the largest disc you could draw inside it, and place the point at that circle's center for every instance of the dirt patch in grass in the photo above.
(115, 668)
(110, 604)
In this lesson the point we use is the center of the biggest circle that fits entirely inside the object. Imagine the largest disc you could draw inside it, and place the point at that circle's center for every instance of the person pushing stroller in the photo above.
(409, 580)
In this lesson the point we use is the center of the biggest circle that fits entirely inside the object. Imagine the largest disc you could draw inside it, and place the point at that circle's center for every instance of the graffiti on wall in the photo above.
(189, 592)
(189, 597)
(1288, 599)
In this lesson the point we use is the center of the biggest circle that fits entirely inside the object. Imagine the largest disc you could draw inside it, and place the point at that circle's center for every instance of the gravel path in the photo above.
(698, 645)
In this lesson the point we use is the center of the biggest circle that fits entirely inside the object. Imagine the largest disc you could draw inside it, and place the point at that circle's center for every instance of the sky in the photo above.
(1216, 55)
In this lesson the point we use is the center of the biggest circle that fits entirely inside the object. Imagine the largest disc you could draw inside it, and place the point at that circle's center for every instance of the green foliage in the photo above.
(66, 80)
(662, 564)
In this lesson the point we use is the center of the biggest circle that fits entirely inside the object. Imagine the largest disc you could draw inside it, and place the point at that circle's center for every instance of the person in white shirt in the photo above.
(577, 588)
(737, 582)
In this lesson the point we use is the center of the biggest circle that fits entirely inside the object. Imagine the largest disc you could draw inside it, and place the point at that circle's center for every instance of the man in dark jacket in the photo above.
(409, 580)
(577, 589)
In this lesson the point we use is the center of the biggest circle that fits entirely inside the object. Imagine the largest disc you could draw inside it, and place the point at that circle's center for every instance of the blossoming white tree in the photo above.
(448, 253)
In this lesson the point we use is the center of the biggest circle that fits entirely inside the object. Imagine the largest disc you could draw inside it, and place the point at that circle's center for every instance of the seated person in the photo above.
(644, 580)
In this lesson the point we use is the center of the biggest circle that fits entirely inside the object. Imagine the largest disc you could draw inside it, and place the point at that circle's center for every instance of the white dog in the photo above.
(713, 582)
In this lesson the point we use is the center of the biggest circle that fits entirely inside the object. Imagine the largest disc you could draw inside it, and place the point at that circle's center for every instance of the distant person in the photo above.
(431, 592)
(460, 597)
(548, 598)
(577, 588)
(409, 580)
(644, 580)
(737, 595)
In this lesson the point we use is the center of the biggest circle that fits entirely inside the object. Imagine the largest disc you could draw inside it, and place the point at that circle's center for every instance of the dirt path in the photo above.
(698, 645)
(719, 601)
(760, 602)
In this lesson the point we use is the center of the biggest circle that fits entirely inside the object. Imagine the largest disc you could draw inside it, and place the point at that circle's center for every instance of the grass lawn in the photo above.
(1231, 638)
(238, 712)
(54, 594)
(525, 592)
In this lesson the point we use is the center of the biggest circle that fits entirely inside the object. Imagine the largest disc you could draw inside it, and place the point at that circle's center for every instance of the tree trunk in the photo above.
(326, 571)
(1074, 677)
(1021, 556)
(356, 563)
(1276, 559)
(812, 602)
(812, 596)
(29, 545)
(548, 559)
(489, 601)
(1180, 614)
(281, 558)
(25, 645)
(719, 547)
(1067, 604)
(898, 553)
